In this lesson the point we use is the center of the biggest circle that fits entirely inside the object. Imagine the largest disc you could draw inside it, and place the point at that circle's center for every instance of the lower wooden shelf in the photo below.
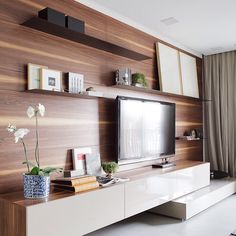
(156, 92)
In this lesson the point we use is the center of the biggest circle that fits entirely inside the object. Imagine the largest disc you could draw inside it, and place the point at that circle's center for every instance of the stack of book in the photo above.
(76, 184)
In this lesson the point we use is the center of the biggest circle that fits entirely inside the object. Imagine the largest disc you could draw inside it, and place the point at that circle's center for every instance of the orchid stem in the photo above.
(26, 158)
(37, 142)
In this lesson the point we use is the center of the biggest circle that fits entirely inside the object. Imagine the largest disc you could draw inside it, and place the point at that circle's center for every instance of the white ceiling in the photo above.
(203, 27)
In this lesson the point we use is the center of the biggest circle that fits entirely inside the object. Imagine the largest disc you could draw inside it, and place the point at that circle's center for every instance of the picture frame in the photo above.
(50, 80)
(93, 164)
(78, 158)
(169, 69)
(33, 75)
(189, 75)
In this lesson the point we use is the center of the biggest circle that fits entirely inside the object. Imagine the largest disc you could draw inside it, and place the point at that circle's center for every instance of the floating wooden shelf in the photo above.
(63, 94)
(63, 32)
(153, 91)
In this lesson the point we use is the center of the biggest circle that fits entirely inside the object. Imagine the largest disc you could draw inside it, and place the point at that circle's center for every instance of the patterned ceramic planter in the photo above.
(36, 186)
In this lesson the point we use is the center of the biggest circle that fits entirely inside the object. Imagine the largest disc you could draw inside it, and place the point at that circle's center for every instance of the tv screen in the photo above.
(146, 129)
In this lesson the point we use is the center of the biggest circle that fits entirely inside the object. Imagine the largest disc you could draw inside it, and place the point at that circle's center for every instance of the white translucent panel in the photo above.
(131, 129)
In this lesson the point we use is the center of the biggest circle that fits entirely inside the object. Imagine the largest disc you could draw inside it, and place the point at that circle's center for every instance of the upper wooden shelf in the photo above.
(63, 32)
(154, 91)
(63, 94)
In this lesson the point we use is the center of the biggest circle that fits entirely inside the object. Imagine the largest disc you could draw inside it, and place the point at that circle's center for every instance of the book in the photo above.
(78, 188)
(74, 181)
(73, 173)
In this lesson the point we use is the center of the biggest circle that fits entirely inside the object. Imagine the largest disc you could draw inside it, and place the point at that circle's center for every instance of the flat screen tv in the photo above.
(146, 130)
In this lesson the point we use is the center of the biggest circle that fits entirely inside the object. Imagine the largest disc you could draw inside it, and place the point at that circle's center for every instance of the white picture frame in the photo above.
(33, 76)
(78, 158)
(189, 75)
(50, 80)
(93, 164)
(169, 69)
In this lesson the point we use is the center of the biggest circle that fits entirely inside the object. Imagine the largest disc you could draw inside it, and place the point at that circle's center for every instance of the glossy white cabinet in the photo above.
(77, 215)
(155, 189)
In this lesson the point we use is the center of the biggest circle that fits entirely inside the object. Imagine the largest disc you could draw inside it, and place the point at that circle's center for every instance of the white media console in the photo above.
(71, 214)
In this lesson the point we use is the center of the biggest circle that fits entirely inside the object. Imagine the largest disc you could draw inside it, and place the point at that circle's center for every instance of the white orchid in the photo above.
(30, 112)
(41, 109)
(11, 128)
(20, 133)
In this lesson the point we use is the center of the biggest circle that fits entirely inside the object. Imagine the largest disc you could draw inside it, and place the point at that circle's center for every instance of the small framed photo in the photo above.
(33, 75)
(50, 79)
(78, 157)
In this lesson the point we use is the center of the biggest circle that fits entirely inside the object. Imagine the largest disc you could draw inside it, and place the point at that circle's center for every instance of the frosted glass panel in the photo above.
(131, 129)
(147, 129)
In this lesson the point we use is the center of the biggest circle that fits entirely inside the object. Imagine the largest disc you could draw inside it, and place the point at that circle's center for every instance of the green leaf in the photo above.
(49, 170)
(35, 171)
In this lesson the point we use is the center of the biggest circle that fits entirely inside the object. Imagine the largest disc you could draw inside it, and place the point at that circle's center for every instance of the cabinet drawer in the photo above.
(152, 191)
(77, 215)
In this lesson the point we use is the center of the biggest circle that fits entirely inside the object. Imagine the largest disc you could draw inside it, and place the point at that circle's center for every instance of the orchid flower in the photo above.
(20, 133)
(11, 128)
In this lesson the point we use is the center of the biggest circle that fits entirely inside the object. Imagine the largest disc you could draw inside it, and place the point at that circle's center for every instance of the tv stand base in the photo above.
(165, 164)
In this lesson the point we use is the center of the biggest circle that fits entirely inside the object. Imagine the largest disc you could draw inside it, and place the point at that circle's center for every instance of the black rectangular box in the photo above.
(74, 24)
(52, 16)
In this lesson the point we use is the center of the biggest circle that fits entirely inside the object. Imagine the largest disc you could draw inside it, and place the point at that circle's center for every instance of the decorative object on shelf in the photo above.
(93, 164)
(75, 82)
(194, 133)
(91, 89)
(36, 179)
(107, 181)
(33, 75)
(110, 168)
(123, 76)
(78, 157)
(92, 92)
(50, 80)
(52, 16)
(139, 80)
(75, 24)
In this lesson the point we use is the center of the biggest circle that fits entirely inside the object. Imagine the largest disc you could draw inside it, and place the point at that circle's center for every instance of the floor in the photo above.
(219, 220)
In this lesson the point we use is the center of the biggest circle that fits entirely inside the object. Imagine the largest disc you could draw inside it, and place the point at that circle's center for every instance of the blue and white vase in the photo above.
(36, 186)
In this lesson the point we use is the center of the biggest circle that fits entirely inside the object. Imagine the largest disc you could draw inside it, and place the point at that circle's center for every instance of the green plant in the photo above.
(110, 167)
(139, 78)
(32, 169)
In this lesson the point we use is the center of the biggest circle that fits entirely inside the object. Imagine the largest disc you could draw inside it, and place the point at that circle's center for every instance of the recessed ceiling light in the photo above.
(169, 21)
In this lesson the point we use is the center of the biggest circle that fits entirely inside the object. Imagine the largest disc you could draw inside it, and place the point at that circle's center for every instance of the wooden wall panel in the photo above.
(72, 122)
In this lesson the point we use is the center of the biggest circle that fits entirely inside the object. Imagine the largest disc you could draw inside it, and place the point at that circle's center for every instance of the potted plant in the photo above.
(139, 80)
(36, 179)
(110, 168)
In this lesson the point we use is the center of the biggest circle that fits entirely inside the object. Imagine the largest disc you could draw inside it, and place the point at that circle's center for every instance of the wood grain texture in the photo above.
(74, 122)
(12, 219)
